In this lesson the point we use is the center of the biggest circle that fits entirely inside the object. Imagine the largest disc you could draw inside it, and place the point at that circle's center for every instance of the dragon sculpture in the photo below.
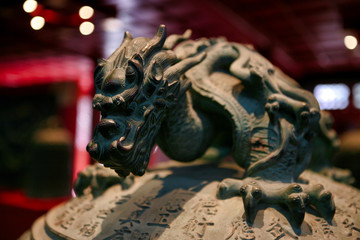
(188, 95)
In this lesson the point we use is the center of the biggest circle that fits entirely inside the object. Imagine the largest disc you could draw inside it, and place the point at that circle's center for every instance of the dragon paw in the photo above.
(272, 107)
(97, 178)
(308, 116)
(295, 197)
(305, 115)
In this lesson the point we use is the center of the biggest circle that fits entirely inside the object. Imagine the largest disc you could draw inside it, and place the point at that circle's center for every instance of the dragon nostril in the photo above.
(97, 106)
(107, 127)
(107, 103)
(123, 147)
(93, 149)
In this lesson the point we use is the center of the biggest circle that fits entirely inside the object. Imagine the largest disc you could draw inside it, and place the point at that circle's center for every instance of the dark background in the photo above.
(44, 73)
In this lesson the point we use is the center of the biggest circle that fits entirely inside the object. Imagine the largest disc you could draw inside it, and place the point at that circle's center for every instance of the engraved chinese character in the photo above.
(85, 208)
(276, 230)
(160, 220)
(119, 234)
(196, 228)
(133, 219)
(175, 206)
(206, 207)
(67, 222)
(352, 230)
(143, 202)
(120, 201)
(104, 213)
(87, 230)
(241, 230)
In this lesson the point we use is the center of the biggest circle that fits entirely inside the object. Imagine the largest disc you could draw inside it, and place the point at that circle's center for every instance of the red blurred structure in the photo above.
(55, 69)
(35, 71)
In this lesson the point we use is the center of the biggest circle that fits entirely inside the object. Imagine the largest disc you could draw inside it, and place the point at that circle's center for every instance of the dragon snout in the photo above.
(107, 127)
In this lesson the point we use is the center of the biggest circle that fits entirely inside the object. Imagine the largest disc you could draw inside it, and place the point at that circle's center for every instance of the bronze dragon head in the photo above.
(134, 88)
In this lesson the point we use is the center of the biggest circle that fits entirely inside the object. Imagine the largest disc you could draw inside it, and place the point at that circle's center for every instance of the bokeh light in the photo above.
(332, 96)
(350, 42)
(37, 22)
(86, 12)
(86, 28)
(30, 5)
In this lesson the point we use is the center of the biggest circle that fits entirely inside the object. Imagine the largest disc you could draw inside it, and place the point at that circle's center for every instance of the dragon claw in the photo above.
(229, 188)
(315, 114)
(293, 188)
(294, 196)
(322, 201)
(308, 116)
(304, 117)
(296, 203)
(256, 193)
(222, 190)
(326, 206)
(272, 108)
(251, 198)
(250, 192)
(98, 179)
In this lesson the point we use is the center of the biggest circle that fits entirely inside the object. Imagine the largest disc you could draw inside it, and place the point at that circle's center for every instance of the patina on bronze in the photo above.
(179, 202)
(187, 96)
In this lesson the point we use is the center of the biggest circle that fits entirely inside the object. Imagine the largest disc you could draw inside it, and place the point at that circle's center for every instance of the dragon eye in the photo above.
(130, 74)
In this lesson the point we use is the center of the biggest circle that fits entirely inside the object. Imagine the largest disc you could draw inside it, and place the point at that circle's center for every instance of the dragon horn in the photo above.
(127, 38)
(155, 43)
(119, 57)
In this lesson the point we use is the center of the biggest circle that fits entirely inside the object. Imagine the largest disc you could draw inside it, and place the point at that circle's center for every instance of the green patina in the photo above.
(190, 95)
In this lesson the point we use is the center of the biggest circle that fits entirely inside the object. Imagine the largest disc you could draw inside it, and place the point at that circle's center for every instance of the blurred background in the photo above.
(48, 53)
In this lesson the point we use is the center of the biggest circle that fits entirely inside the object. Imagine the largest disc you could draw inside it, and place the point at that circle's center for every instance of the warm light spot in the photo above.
(350, 42)
(332, 96)
(86, 28)
(86, 12)
(30, 5)
(37, 22)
